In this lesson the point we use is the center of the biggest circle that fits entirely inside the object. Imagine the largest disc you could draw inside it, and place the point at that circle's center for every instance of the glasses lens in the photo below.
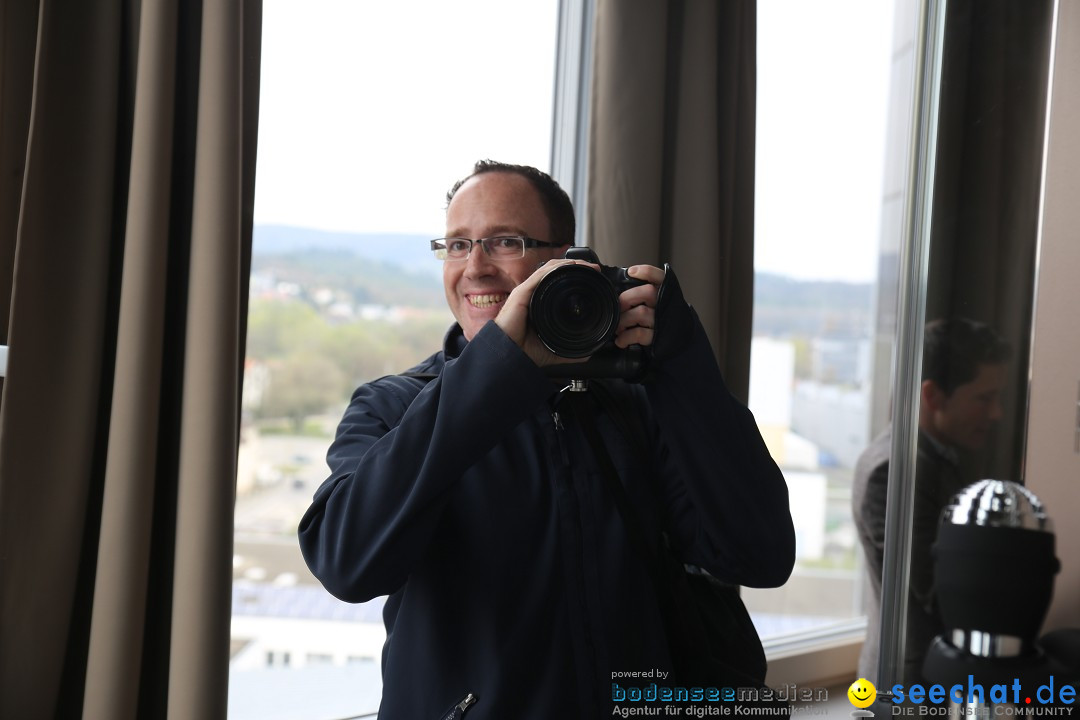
(506, 247)
(451, 248)
(458, 248)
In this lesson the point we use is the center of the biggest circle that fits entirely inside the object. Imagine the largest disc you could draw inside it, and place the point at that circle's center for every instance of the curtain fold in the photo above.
(121, 589)
(198, 678)
(124, 277)
(671, 155)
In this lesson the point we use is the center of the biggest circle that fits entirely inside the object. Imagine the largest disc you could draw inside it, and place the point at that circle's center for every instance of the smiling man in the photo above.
(964, 369)
(465, 491)
(509, 211)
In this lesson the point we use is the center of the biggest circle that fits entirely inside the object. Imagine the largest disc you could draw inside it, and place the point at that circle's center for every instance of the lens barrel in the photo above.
(575, 311)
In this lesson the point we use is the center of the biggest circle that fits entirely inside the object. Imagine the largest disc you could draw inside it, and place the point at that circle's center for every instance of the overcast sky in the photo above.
(371, 109)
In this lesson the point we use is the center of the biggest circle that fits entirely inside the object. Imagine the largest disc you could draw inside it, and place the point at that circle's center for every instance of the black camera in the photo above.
(575, 309)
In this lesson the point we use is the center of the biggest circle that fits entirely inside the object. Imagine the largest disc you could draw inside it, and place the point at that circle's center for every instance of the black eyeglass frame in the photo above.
(526, 244)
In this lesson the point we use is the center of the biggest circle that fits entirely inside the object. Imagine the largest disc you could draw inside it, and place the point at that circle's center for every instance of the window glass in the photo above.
(823, 91)
(369, 111)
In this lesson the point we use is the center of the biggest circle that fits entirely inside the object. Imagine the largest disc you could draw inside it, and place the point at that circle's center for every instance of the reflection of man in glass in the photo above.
(963, 374)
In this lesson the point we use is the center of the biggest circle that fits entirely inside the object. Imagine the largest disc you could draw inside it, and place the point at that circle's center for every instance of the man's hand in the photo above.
(514, 316)
(637, 312)
(637, 307)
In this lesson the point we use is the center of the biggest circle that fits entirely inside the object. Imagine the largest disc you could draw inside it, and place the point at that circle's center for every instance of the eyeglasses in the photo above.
(503, 247)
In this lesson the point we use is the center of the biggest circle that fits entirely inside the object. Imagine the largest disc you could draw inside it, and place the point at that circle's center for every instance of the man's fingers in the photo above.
(640, 316)
(642, 294)
(635, 296)
(649, 273)
(634, 336)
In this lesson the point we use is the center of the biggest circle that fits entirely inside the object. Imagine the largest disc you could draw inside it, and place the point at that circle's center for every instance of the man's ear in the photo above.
(932, 396)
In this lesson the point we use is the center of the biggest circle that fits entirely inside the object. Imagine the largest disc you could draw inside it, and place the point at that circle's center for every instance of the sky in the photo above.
(823, 92)
(368, 116)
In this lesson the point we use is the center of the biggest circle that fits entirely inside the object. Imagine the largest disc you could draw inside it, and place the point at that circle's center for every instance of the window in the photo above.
(823, 105)
(367, 117)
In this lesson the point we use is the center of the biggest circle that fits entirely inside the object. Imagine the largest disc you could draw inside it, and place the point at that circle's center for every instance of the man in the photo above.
(472, 500)
(960, 401)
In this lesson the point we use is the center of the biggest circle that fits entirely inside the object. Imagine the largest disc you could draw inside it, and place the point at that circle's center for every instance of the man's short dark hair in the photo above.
(557, 205)
(954, 348)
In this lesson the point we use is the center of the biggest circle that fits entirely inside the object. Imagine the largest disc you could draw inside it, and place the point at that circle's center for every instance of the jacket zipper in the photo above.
(561, 440)
(458, 710)
(559, 427)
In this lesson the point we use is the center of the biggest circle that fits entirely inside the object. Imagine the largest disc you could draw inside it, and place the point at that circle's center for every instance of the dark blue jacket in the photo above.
(478, 508)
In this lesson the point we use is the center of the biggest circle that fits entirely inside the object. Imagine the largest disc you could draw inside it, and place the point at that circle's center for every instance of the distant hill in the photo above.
(785, 306)
(406, 251)
(366, 281)
(398, 269)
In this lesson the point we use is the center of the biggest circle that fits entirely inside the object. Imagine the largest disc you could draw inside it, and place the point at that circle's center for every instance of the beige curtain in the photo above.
(127, 150)
(671, 155)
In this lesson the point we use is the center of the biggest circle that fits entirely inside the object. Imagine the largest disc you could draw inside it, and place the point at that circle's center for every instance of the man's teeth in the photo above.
(483, 301)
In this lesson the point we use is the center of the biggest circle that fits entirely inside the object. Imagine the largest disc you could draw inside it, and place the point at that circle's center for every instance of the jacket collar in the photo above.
(454, 342)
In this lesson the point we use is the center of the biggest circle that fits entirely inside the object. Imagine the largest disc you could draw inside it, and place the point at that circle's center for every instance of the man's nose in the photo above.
(996, 410)
(478, 262)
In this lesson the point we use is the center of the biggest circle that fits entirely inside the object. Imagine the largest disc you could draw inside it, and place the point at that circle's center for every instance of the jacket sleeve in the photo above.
(395, 461)
(726, 499)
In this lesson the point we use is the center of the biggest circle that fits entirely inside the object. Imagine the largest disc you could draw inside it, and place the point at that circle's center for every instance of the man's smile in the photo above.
(485, 301)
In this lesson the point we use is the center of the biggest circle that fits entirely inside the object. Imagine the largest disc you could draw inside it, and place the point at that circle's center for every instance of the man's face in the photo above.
(488, 205)
(964, 419)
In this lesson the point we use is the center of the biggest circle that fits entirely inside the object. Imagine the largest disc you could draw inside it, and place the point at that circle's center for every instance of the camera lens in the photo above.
(575, 311)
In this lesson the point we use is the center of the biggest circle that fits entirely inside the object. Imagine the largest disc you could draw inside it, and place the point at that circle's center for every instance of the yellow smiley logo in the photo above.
(862, 693)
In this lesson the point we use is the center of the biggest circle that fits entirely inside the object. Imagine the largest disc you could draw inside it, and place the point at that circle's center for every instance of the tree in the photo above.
(277, 327)
(302, 384)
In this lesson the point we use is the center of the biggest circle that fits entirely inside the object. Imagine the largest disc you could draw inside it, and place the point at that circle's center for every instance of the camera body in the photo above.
(575, 311)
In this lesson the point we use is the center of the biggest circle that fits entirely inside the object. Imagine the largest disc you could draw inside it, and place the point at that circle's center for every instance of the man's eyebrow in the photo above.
(493, 231)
